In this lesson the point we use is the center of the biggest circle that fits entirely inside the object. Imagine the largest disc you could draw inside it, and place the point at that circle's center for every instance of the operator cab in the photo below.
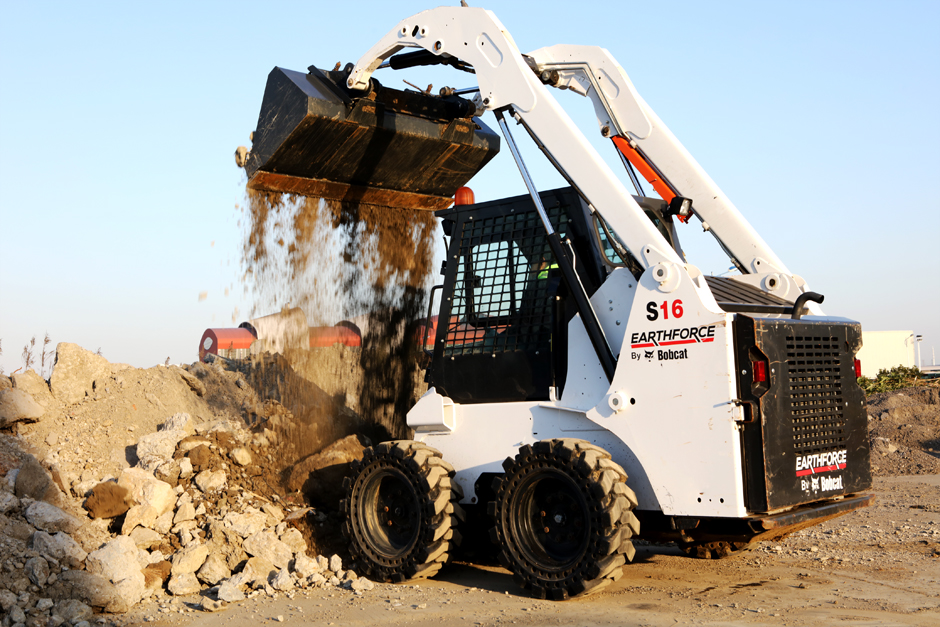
(504, 313)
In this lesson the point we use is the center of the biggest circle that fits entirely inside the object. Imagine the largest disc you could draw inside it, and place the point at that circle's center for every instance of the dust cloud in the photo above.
(339, 261)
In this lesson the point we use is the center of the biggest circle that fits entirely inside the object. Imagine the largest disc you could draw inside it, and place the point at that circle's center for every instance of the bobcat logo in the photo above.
(648, 354)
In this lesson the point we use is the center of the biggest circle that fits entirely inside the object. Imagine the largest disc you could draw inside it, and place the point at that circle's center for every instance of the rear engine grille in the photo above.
(815, 390)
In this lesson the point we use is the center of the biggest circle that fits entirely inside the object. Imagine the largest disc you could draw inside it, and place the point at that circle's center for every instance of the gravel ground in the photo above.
(877, 566)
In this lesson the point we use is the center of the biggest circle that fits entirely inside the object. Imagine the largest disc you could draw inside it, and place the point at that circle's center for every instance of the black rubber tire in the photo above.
(401, 511)
(563, 518)
(716, 549)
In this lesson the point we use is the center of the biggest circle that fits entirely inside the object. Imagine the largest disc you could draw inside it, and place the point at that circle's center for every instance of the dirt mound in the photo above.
(904, 429)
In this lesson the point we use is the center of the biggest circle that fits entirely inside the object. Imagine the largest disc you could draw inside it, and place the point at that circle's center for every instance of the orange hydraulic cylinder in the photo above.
(644, 168)
(324, 337)
(214, 340)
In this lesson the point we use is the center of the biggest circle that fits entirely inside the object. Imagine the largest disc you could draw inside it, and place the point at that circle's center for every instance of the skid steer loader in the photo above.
(587, 384)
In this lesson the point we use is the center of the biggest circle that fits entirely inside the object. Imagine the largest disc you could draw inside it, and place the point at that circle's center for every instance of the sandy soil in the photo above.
(878, 566)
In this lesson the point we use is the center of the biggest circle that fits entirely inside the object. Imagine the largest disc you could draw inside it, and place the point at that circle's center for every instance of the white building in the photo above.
(883, 350)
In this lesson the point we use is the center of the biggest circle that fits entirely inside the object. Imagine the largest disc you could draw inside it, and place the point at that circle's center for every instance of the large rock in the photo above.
(184, 584)
(241, 456)
(73, 611)
(94, 590)
(282, 581)
(51, 519)
(210, 481)
(18, 406)
(37, 569)
(305, 566)
(247, 523)
(294, 540)
(232, 589)
(214, 570)
(261, 570)
(157, 448)
(145, 538)
(77, 372)
(180, 421)
(266, 545)
(117, 561)
(226, 543)
(8, 502)
(186, 511)
(60, 547)
(190, 559)
(34, 385)
(108, 500)
(34, 482)
(320, 476)
(143, 515)
(145, 488)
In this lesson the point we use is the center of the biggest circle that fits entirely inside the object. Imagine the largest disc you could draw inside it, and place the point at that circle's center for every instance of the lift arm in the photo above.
(518, 84)
(651, 147)
(507, 82)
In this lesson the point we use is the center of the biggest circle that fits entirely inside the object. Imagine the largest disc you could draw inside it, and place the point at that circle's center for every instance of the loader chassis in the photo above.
(503, 360)
(586, 383)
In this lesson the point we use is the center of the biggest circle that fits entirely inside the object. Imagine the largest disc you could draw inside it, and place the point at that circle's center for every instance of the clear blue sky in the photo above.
(118, 122)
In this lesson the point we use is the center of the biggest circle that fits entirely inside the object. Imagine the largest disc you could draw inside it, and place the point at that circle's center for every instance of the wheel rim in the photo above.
(550, 518)
(389, 513)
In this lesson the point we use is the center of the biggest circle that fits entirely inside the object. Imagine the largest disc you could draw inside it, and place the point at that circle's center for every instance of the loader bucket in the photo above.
(384, 147)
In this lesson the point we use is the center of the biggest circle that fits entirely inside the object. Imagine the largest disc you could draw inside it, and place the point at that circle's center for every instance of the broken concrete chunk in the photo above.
(117, 562)
(144, 515)
(179, 422)
(60, 547)
(336, 563)
(37, 569)
(73, 611)
(265, 544)
(185, 512)
(34, 482)
(186, 468)
(214, 570)
(294, 540)
(145, 538)
(184, 584)
(229, 592)
(282, 581)
(273, 511)
(305, 566)
(145, 488)
(34, 385)
(164, 523)
(190, 559)
(155, 449)
(76, 373)
(210, 481)
(18, 406)
(51, 519)
(247, 523)
(361, 584)
(8, 502)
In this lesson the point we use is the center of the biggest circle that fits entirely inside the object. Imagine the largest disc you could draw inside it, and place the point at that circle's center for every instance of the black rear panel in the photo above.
(811, 440)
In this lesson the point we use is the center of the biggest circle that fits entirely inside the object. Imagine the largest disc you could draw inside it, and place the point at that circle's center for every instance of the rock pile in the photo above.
(193, 505)
(903, 428)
